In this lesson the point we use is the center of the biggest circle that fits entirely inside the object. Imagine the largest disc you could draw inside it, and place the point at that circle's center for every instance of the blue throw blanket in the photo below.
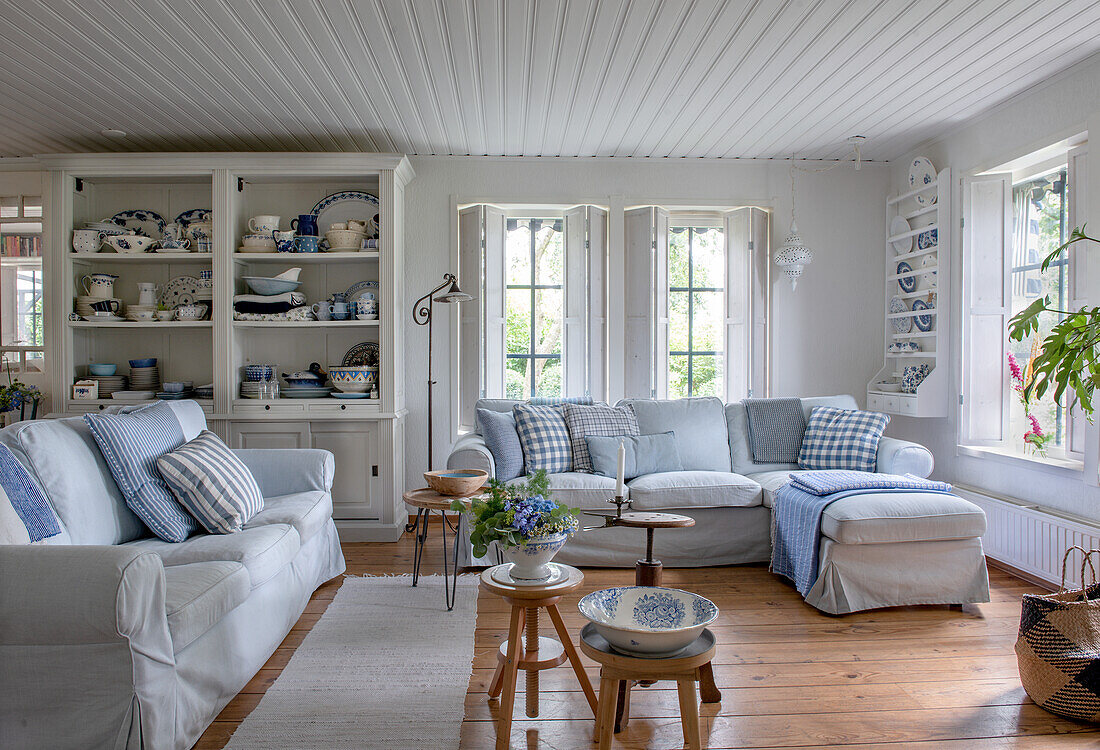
(796, 517)
(775, 428)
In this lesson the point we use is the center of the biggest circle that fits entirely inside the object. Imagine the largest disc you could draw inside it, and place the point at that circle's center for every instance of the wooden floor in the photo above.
(921, 677)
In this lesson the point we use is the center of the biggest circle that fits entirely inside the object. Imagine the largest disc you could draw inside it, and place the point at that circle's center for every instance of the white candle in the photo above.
(622, 469)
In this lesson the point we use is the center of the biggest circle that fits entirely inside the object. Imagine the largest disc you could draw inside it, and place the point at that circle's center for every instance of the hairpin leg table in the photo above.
(425, 501)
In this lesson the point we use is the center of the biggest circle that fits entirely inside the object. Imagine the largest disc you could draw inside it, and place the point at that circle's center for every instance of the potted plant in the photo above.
(523, 519)
(18, 395)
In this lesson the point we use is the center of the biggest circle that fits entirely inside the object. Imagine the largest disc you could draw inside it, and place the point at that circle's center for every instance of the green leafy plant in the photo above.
(19, 395)
(1068, 358)
(514, 513)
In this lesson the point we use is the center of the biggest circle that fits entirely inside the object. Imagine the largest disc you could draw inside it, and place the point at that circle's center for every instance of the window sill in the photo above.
(1050, 465)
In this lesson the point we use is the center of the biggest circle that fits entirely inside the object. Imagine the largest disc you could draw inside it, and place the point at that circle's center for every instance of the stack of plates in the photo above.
(250, 389)
(175, 395)
(108, 384)
(84, 304)
(145, 378)
(205, 391)
(306, 391)
(132, 396)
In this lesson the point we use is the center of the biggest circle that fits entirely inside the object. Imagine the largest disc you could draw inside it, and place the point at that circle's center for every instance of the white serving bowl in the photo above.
(648, 620)
(129, 243)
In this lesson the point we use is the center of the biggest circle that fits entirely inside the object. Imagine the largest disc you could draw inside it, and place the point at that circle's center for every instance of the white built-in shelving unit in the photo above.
(931, 266)
(366, 435)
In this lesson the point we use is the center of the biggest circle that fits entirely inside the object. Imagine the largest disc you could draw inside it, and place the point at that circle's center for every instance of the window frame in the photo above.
(692, 223)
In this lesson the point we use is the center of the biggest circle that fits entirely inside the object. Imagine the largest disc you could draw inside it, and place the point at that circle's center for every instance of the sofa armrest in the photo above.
(281, 471)
(903, 457)
(83, 594)
(470, 452)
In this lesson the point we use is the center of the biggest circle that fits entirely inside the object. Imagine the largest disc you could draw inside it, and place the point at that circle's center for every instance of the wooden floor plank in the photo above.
(927, 678)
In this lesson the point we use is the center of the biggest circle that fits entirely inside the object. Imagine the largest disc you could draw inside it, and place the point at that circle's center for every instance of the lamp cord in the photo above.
(804, 170)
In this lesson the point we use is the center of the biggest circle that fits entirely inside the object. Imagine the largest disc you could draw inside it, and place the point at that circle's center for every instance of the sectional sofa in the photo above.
(110, 638)
(877, 550)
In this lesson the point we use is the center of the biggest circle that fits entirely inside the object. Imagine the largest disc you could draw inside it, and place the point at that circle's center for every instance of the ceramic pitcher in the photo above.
(99, 284)
(147, 293)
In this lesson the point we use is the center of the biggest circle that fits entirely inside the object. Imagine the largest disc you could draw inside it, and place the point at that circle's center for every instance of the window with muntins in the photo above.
(696, 311)
(534, 306)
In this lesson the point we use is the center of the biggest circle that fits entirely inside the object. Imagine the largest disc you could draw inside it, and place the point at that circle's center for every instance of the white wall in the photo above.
(826, 336)
(1061, 107)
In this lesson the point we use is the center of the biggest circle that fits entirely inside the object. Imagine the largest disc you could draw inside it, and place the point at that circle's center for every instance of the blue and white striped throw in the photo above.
(775, 428)
(25, 515)
(212, 483)
(131, 444)
(796, 515)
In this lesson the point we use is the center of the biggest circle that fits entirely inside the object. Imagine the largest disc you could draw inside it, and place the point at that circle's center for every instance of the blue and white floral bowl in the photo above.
(648, 620)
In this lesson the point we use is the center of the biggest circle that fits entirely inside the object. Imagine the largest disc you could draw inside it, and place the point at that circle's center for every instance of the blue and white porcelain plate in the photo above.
(359, 288)
(141, 221)
(924, 322)
(349, 395)
(908, 283)
(903, 324)
(189, 217)
(364, 354)
(921, 173)
(927, 239)
(358, 205)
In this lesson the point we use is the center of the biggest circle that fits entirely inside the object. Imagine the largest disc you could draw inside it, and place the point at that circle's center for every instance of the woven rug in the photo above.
(386, 666)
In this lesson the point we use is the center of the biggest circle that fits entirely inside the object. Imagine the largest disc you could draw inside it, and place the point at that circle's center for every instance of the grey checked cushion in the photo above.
(841, 439)
(597, 419)
(544, 437)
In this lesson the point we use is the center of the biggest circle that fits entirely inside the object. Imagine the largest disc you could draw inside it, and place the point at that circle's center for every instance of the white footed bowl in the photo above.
(648, 620)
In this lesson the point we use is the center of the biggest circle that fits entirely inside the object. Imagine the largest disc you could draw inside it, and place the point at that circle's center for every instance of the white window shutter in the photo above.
(596, 356)
(575, 333)
(1076, 423)
(470, 223)
(660, 304)
(638, 346)
(987, 248)
(494, 294)
(736, 226)
(760, 276)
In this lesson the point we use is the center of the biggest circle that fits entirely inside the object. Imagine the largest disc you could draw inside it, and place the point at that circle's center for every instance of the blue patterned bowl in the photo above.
(648, 620)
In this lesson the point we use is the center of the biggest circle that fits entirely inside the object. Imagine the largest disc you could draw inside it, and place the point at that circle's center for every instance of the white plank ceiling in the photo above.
(644, 78)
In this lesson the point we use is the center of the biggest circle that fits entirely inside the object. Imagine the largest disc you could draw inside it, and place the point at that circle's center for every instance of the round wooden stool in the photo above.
(540, 652)
(617, 669)
(426, 500)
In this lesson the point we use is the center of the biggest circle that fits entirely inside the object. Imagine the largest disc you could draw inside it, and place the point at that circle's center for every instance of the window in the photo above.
(535, 254)
(696, 311)
(22, 335)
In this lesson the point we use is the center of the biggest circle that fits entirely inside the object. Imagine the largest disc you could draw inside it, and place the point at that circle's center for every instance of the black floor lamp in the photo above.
(422, 316)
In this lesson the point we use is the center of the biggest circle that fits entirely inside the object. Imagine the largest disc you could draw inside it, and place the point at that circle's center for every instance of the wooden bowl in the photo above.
(456, 482)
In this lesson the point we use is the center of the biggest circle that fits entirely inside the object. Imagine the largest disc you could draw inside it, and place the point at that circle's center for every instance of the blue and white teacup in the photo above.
(365, 306)
(339, 310)
(284, 241)
(306, 244)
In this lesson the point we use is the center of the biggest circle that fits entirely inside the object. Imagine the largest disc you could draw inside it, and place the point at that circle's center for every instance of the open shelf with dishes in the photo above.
(109, 195)
(913, 378)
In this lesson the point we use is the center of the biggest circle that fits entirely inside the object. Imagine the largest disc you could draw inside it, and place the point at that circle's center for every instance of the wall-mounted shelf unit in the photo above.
(367, 436)
(923, 243)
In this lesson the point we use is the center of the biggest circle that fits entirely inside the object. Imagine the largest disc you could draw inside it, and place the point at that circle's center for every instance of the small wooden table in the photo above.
(647, 572)
(619, 669)
(426, 500)
(540, 652)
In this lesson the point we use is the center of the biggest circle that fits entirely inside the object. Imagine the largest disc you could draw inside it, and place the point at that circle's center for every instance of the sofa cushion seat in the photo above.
(771, 482)
(307, 512)
(262, 550)
(884, 517)
(693, 489)
(198, 595)
(579, 489)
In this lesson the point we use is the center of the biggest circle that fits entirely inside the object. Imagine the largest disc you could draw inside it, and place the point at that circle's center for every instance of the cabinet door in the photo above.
(269, 435)
(356, 489)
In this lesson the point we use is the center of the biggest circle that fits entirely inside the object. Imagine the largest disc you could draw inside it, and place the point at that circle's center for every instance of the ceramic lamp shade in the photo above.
(793, 256)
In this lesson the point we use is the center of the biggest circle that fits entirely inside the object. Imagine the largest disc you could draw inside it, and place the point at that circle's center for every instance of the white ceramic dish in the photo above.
(921, 173)
(898, 225)
(887, 387)
(648, 620)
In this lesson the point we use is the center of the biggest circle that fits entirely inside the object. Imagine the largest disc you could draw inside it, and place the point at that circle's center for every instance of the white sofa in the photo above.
(110, 638)
(870, 543)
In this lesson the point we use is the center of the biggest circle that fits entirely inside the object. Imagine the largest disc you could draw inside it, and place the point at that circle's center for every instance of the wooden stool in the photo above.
(540, 652)
(617, 669)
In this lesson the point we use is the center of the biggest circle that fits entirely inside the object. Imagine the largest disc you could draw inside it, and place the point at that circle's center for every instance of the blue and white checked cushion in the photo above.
(544, 437)
(499, 430)
(212, 483)
(558, 400)
(595, 419)
(131, 444)
(25, 515)
(841, 439)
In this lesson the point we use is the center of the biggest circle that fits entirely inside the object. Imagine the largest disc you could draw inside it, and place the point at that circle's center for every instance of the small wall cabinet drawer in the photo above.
(269, 407)
(891, 403)
(875, 402)
(908, 404)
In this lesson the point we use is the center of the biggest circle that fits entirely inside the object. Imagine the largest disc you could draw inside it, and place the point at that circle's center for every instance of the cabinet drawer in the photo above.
(891, 403)
(334, 408)
(908, 404)
(875, 402)
(269, 407)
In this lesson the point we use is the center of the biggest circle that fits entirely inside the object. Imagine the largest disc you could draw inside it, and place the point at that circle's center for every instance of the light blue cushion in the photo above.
(645, 454)
(544, 437)
(499, 430)
(841, 439)
(211, 483)
(25, 516)
(699, 424)
(131, 444)
(737, 428)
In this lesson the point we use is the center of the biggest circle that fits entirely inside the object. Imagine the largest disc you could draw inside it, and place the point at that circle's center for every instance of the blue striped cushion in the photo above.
(25, 515)
(842, 439)
(131, 444)
(212, 483)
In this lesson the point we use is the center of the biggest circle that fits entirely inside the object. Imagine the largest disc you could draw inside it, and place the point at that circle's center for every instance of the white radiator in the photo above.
(1033, 539)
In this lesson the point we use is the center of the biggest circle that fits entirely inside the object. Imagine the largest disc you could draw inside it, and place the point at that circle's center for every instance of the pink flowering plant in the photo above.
(514, 513)
(1020, 380)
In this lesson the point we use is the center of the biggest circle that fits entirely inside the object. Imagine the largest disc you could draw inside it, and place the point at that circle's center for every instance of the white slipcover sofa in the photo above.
(110, 638)
(877, 550)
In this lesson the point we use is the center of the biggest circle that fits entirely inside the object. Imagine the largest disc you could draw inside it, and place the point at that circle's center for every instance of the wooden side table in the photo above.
(426, 500)
(540, 652)
(617, 669)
